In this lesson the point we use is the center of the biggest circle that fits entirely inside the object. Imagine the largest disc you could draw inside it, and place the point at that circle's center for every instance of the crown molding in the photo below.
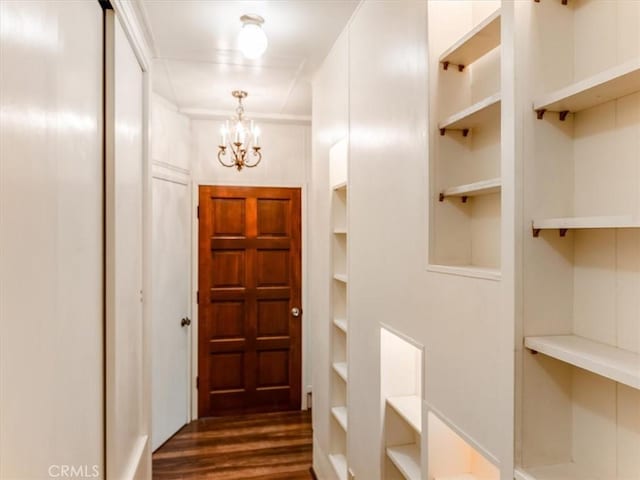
(203, 113)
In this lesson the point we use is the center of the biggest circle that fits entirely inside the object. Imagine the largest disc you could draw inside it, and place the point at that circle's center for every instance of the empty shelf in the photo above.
(605, 86)
(564, 471)
(340, 231)
(409, 408)
(622, 366)
(341, 369)
(341, 277)
(473, 116)
(340, 186)
(339, 464)
(460, 476)
(407, 459)
(480, 40)
(472, 271)
(341, 323)
(484, 187)
(340, 414)
(570, 223)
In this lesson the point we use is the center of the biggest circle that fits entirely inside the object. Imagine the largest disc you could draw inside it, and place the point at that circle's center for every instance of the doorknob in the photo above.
(185, 322)
(295, 311)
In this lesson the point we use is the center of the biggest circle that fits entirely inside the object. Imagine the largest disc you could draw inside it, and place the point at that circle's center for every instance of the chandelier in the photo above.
(240, 138)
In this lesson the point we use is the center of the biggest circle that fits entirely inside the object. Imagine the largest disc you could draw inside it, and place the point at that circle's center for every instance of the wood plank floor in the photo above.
(273, 446)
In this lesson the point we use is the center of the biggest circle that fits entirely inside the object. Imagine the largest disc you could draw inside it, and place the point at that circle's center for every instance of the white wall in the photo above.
(468, 343)
(286, 156)
(51, 254)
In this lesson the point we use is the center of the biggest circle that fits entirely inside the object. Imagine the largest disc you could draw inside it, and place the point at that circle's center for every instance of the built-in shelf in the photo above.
(340, 186)
(341, 369)
(605, 86)
(409, 407)
(472, 271)
(340, 414)
(475, 189)
(623, 366)
(460, 476)
(340, 231)
(407, 459)
(339, 464)
(574, 223)
(469, 118)
(480, 40)
(341, 323)
(341, 277)
(564, 471)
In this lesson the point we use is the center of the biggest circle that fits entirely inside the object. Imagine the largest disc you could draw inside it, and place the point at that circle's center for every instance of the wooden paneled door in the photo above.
(249, 300)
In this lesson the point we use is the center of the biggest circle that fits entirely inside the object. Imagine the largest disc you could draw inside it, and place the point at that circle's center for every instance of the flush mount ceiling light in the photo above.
(252, 39)
(239, 138)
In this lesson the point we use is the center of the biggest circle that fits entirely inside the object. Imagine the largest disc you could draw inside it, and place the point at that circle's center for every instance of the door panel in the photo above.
(171, 281)
(249, 280)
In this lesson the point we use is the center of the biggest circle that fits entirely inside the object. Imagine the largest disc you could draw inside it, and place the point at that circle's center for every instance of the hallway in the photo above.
(263, 446)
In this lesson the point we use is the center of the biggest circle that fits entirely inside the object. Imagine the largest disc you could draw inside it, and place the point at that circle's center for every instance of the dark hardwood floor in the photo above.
(273, 446)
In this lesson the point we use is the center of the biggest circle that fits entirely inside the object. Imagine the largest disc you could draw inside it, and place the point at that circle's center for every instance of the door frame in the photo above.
(305, 381)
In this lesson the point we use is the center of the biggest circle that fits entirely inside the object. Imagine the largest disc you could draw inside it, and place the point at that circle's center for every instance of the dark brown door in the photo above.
(249, 337)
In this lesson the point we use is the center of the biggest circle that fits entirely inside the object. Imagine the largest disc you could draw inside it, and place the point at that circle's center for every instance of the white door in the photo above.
(171, 280)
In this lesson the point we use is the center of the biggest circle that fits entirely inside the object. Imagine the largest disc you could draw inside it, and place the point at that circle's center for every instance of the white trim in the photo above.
(130, 22)
(461, 433)
(173, 168)
(203, 113)
(136, 459)
(170, 178)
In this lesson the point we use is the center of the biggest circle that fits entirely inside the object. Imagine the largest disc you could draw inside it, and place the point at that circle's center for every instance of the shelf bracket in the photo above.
(441, 197)
(563, 115)
(465, 132)
(563, 232)
(464, 199)
(442, 130)
(536, 1)
(540, 113)
(445, 65)
(460, 68)
(564, 2)
(535, 231)
(533, 352)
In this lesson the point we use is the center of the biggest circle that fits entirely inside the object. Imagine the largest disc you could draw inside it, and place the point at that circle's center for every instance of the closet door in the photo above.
(51, 238)
(127, 409)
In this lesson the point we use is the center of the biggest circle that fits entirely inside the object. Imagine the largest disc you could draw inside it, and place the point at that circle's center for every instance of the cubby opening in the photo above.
(464, 40)
(401, 369)
(453, 458)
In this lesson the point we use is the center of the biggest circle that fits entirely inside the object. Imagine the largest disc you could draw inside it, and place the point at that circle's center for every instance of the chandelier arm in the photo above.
(221, 153)
(256, 153)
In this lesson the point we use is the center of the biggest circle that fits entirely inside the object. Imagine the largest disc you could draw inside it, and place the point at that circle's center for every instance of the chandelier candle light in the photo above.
(246, 137)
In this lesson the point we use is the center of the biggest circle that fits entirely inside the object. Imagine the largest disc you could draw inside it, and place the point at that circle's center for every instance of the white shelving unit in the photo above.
(339, 464)
(401, 384)
(578, 367)
(484, 187)
(407, 459)
(409, 407)
(622, 366)
(339, 311)
(479, 113)
(479, 41)
(603, 87)
(465, 157)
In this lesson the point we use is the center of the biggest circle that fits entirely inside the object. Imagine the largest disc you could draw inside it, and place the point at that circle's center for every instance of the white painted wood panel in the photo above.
(127, 428)
(51, 253)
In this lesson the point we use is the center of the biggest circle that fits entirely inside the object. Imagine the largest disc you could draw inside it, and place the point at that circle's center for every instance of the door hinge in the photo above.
(198, 297)
(197, 382)
(198, 211)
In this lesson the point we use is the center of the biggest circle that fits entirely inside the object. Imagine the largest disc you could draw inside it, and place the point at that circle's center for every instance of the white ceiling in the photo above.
(197, 62)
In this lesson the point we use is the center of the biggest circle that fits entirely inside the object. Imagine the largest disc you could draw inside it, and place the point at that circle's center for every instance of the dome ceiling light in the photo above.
(252, 39)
